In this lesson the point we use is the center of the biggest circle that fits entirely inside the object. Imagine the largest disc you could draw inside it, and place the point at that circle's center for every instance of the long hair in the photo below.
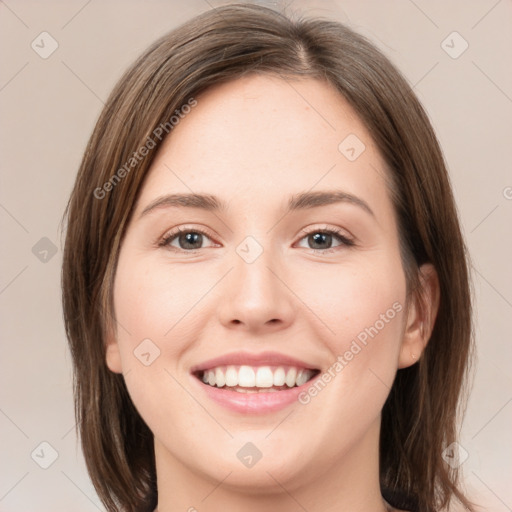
(421, 415)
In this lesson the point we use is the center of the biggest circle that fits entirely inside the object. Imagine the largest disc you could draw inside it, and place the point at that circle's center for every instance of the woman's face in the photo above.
(298, 269)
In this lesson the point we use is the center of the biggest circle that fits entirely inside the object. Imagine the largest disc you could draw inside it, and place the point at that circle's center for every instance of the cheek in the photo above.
(364, 307)
(353, 296)
(155, 302)
(154, 330)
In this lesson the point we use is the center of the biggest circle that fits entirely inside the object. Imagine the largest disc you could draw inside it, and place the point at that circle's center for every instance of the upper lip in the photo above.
(252, 359)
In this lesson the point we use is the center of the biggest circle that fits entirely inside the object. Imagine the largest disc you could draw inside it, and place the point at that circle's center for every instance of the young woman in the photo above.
(265, 285)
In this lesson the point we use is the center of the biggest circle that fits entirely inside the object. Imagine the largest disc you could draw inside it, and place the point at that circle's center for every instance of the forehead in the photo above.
(259, 137)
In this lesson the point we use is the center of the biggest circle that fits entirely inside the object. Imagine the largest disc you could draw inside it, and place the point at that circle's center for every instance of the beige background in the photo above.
(49, 107)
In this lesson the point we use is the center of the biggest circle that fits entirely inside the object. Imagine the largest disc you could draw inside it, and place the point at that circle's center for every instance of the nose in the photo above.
(256, 296)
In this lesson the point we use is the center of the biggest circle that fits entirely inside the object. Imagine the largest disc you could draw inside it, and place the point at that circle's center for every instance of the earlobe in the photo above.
(112, 354)
(421, 316)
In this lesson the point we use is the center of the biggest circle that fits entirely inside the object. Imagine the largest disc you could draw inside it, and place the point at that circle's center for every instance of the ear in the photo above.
(420, 317)
(112, 352)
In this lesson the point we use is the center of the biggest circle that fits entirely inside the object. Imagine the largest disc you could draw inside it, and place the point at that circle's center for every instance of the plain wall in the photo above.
(48, 110)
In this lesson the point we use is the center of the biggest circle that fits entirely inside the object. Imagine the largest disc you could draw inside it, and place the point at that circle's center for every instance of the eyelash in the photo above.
(168, 238)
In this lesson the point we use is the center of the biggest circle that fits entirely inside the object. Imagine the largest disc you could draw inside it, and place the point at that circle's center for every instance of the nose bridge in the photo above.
(254, 294)
(252, 270)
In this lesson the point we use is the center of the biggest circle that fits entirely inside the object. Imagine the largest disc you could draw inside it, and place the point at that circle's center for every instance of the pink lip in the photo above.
(253, 403)
(250, 359)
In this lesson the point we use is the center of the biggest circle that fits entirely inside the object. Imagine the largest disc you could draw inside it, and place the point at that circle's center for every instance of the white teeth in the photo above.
(265, 377)
(279, 377)
(231, 377)
(220, 380)
(290, 377)
(246, 377)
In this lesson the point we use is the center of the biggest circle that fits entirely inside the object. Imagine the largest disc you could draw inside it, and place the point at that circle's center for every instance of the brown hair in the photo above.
(421, 414)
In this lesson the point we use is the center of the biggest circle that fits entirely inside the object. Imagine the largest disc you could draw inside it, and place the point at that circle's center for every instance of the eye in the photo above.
(322, 239)
(188, 239)
(191, 239)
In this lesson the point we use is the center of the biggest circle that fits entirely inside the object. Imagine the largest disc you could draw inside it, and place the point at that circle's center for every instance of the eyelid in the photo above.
(326, 228)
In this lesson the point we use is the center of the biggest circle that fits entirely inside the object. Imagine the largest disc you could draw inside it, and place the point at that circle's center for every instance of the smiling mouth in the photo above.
(256, 379)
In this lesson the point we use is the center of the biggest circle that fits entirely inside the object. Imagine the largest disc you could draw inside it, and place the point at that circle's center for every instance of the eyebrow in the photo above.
(302, 201)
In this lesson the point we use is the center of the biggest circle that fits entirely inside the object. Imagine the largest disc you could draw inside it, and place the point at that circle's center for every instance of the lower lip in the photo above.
(253, 403)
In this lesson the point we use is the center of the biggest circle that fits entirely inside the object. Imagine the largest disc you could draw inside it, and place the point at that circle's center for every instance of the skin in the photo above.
(253, 143)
